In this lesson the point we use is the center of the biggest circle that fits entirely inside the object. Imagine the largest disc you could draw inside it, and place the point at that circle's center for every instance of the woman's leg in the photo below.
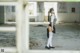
(51, 46)
(49, 39)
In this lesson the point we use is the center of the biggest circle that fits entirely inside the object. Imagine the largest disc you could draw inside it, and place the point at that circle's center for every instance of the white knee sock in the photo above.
(49, 43)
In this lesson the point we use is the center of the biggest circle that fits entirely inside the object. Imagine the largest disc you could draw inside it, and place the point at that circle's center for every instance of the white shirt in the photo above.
(53, 19)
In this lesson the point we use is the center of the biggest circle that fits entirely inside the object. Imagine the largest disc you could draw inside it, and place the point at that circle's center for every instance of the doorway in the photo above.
(47, 6)
(38, 11)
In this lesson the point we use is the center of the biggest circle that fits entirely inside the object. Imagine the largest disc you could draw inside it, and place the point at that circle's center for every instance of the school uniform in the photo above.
(52, 21)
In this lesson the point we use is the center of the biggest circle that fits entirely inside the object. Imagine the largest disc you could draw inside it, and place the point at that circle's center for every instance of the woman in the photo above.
(51, 19)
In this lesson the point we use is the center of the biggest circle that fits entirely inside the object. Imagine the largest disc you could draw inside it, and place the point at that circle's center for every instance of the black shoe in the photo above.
(52, 47)
(47, 47)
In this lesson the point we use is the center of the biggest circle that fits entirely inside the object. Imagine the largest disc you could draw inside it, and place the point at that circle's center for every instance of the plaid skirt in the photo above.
(48, 31)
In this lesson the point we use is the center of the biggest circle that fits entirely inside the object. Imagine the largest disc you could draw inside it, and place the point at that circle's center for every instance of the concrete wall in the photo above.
(32, 18)
(73, 4)
(69, 16)
(1, 14)
(65, 14)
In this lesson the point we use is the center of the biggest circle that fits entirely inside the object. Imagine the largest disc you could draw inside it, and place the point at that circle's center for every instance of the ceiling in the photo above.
(41, 0)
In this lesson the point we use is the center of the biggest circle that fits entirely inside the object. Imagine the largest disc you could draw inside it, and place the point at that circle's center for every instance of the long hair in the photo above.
(50, 24)
(49, 16)
(51, 9)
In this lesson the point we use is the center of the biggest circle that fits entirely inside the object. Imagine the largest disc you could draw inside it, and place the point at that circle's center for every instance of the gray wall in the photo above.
(65, 15)
(1, 14)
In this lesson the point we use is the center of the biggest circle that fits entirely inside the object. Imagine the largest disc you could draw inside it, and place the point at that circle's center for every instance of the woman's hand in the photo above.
(52, 29)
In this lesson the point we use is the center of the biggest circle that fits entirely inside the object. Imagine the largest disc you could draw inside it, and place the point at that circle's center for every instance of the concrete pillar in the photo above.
(40, 12)
(25, 30)
(22, 27)
(19, 16)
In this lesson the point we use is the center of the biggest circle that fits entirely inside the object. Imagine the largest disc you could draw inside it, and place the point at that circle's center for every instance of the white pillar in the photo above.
(22, 28)
(18, 26)
(25, 30)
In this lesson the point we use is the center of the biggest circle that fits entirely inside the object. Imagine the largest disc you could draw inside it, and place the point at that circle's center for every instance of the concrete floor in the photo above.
(7, 35)
(67, 37)
(7, 39)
